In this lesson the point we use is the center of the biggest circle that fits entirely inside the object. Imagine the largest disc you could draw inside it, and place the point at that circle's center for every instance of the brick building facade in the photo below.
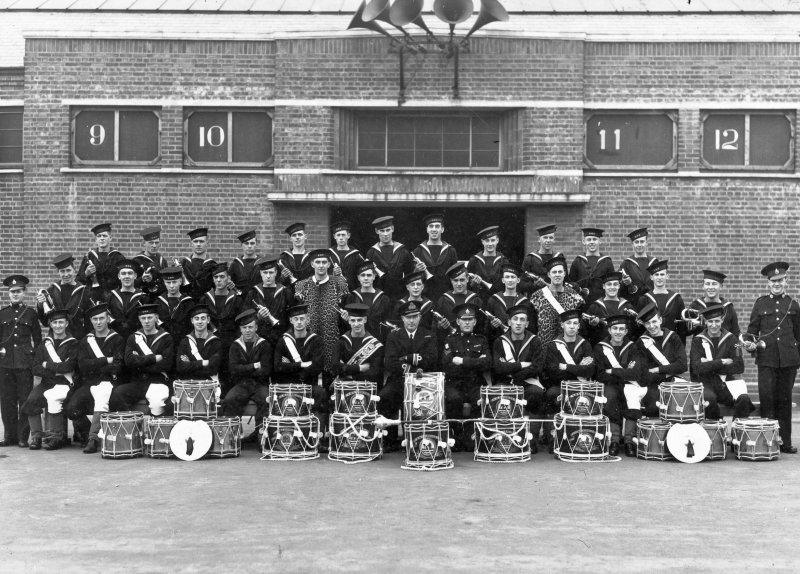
(541, 72)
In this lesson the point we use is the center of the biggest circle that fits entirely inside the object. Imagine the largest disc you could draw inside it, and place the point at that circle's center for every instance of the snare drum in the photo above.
(681, 402)
(502, 402)
(121, 434)
(755, 439)
(290, 400)
(226, 437)
(651, 439)
(581, 438)
(195, 399)
(423, 398)
(582, 398)
(502, 441)
(428, 446)
(355, 398)
(156, 437)
(355, 439)
(717, 432)
(290, 438)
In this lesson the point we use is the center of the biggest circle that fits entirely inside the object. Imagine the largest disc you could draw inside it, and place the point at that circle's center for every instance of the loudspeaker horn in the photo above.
(453, 11)
(359, 22)
(405, 12)
(374, 9)
(491, 11)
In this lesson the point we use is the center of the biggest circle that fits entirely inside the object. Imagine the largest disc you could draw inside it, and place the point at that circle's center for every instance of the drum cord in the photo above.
(350, 426)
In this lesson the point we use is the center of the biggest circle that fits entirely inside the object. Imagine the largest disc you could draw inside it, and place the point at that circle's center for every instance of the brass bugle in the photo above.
(48, 304)
(491, 317)
(95, 280)
(485, 284)
(439, 316)
(419, 261)
(270, 316)
(587, 317)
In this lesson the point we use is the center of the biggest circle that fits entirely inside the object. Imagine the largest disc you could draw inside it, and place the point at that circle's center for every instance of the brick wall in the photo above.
(731, 224)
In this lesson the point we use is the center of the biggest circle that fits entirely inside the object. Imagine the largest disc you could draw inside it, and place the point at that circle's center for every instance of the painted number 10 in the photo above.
(616, 133)
(726, 139)
(214, 136)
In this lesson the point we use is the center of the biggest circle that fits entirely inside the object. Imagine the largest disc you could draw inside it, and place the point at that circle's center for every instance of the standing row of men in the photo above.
(266, 289)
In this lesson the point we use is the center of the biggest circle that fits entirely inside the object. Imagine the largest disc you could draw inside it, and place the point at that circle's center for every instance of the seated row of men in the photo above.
(106, 370)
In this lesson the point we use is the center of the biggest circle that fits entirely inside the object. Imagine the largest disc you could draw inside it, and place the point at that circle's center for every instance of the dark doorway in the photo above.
(460, 226)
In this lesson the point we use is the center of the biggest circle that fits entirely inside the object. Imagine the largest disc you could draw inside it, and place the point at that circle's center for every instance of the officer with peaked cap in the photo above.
(773, 336)
(20, 333)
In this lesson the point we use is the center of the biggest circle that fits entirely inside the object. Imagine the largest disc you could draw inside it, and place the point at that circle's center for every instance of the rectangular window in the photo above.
(124, 137)
(631, 140)
(428, 141)
(227, 138)
(762, 141)
(10, 137)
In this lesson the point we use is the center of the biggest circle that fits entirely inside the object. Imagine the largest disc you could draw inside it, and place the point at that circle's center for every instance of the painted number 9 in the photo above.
(97, 134)
(214, 136)
(726, 139)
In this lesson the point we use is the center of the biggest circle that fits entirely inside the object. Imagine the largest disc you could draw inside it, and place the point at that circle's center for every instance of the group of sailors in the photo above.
(120, 330)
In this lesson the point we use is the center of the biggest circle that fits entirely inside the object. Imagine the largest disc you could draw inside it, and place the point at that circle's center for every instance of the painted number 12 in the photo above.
(726, 139)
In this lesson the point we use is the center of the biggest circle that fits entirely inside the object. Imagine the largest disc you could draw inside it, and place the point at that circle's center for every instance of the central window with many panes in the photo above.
(392, 140)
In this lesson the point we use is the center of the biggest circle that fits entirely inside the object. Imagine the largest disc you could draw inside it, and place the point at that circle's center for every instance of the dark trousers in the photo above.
(78, 407)
(775, 393)
(240, 394)
(15, 386)
(716, 394)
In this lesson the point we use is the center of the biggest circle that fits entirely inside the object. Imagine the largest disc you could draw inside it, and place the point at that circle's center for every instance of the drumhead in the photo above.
(190, 440)
(689, 442)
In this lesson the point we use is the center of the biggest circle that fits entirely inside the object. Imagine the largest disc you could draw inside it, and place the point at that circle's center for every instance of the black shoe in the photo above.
(630, 450)
(613, 450)
(8, 442)
(22, 444)
(252, 438)
(36, 444)
(788, 449)
(534, 447)
(92, 445)
(551, 447)
(52, 443)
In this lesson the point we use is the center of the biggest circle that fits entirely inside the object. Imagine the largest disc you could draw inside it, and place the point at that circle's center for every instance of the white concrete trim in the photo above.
(694, 174)
(683, 38)
(336, 33)
(146, 35)
(12, 103)
(428, 173)
(691, 105)
(16, 170)
(415, 104)
(168, 102)
(166, 171)
(520, 198)
(327, 103)
(434, 104)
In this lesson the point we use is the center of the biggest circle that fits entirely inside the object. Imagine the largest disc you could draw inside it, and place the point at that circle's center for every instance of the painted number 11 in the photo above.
(616, 133)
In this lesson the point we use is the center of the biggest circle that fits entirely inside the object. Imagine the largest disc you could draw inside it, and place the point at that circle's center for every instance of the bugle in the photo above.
(417, 262)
